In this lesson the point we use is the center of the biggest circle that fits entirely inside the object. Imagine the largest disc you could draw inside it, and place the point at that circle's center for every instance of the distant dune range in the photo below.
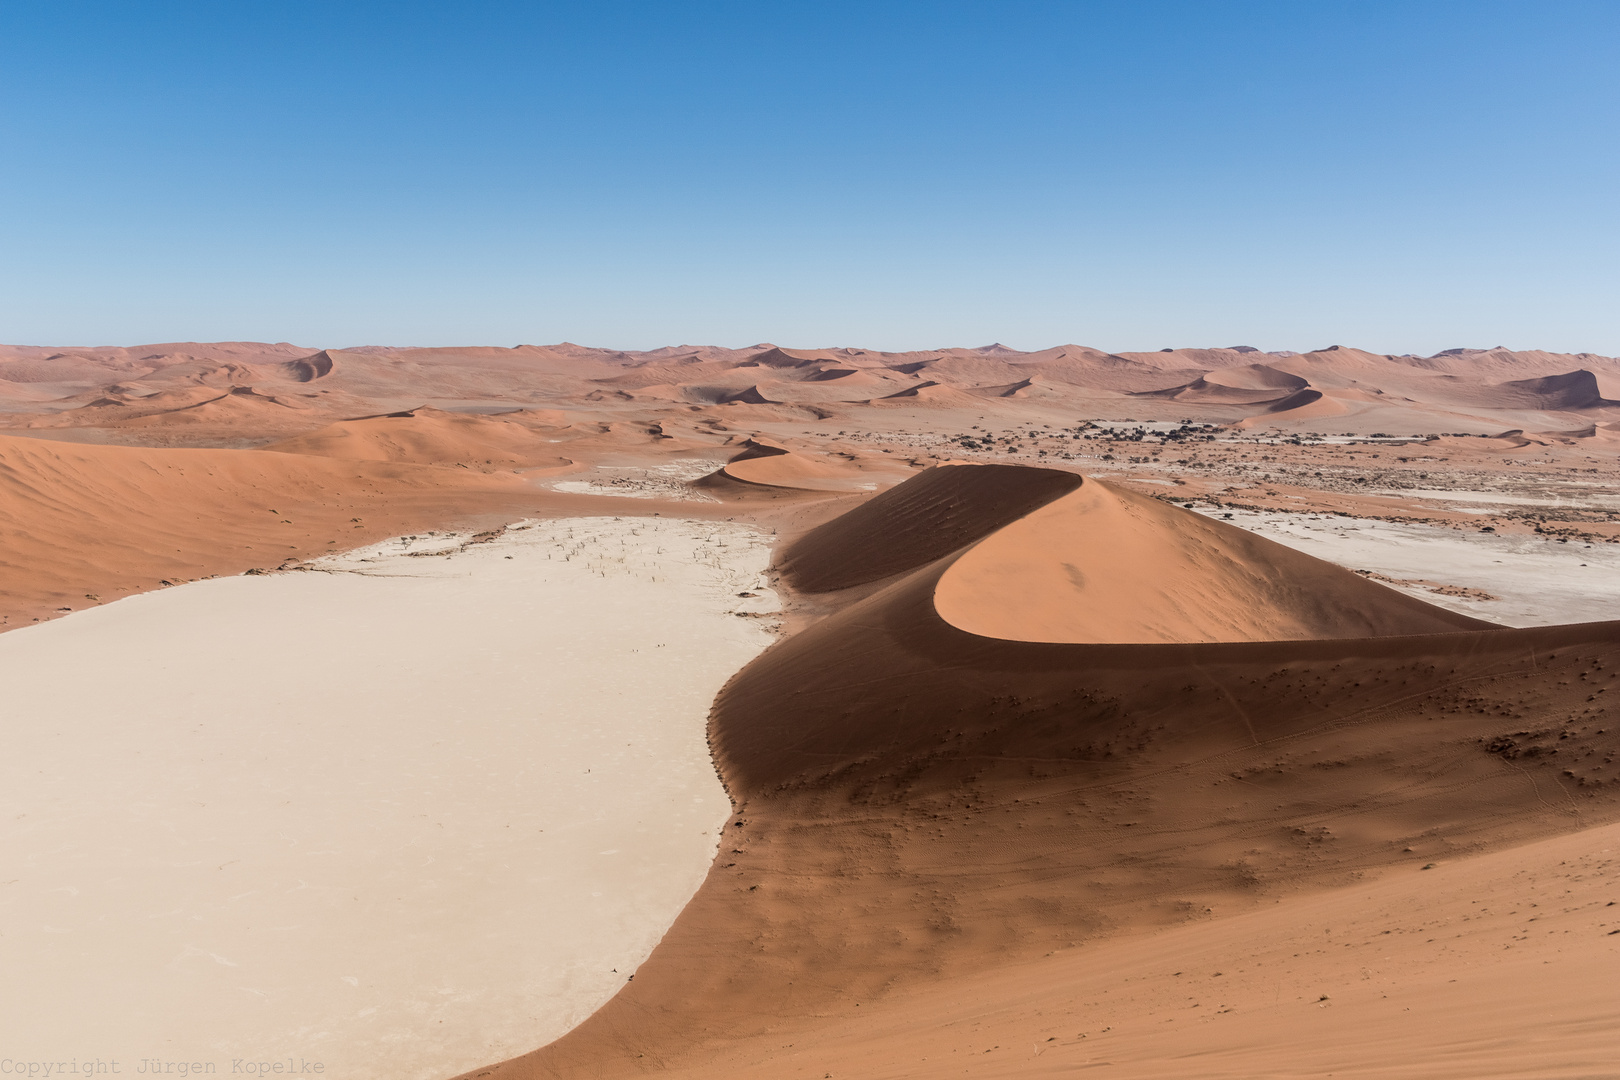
(201, 394)
(1051, 773)
(920, 807)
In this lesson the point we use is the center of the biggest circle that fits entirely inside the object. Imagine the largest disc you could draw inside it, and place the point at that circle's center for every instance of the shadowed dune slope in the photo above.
(238, 406)
(309, 368)
(1103, 564)
(1251, 384)
(1570, 390)
(770, 464)
(925, 817)
(926, 518)
(931, 394)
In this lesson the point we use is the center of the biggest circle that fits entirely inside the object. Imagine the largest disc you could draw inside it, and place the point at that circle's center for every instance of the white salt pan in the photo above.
(1536, 581)
(402, 818)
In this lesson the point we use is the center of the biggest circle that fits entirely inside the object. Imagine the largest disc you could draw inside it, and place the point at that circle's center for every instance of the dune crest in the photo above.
(427, 436)
(1253, 384)
(770, 464)
(1105, 565)
(309, 368)
(929, 516)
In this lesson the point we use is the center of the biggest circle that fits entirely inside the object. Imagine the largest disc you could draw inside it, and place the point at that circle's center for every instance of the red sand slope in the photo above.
(1103, 564)
(430, 437)
(960, 855)
(766, 463)
(85, 524)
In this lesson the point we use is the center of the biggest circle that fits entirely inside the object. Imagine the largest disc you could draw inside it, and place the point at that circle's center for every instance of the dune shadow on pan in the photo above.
(917, 803)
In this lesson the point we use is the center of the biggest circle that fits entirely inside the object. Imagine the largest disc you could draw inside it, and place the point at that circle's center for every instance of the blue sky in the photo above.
(1399, 176)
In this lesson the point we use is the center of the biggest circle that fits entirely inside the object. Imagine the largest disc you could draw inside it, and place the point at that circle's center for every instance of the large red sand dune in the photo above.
(766, 463)
(85, 524)
(951, 848)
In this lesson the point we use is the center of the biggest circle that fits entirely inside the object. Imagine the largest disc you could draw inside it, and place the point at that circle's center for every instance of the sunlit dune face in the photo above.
(1103, 565)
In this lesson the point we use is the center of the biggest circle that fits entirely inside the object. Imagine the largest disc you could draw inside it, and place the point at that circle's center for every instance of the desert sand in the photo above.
(1200, 712)
(928, 813)
(396, 814)
(1515, 580)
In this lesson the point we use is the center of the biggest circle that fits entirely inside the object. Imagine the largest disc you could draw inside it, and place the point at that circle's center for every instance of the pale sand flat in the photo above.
(401, 818)
(1536, 580)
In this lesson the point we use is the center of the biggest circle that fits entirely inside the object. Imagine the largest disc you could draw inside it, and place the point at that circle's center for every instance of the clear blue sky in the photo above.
(1402, 176)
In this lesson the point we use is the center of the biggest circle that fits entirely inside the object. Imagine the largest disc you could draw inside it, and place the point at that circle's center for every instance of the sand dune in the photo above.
(90, 523)
(1252, 384)
(931, 394)
(1572, 390)
(769, 464)
(926, 518)
(430, 437)
(239, 407)
(1034, 387)
(1360, 980)
(774, 357)
(748, 395)
(1603, 433)
(131, 405)
(828, 374)
(1105, 565)
(309, 368)
(920, 811)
